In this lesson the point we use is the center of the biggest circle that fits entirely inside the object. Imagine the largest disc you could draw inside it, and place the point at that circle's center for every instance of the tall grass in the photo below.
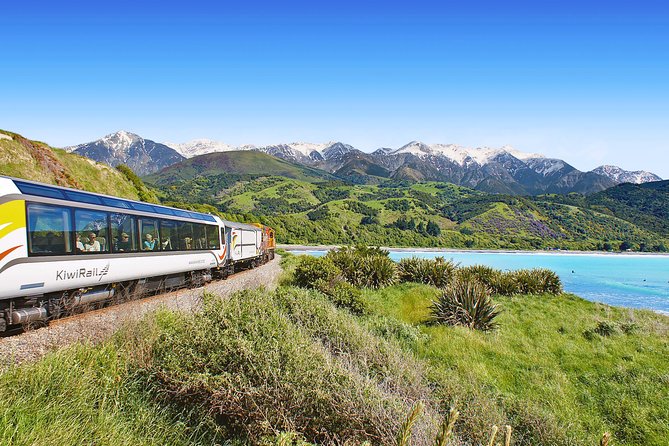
(263, 362)
(86, 395)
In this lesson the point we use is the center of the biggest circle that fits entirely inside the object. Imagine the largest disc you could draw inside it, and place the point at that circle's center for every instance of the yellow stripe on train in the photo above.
(12, 216)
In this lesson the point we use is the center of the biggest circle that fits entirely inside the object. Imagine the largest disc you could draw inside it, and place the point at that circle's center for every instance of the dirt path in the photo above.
(96, 326)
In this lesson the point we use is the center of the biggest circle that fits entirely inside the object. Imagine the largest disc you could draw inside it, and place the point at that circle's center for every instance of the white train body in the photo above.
(59, 246)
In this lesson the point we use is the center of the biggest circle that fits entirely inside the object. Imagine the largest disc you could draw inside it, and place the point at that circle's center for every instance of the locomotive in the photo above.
(64, 250)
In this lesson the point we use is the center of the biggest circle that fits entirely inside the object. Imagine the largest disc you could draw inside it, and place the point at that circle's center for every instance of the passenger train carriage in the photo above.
(62, 249)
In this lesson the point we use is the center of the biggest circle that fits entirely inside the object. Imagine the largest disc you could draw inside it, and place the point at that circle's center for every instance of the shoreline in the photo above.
(481, 251)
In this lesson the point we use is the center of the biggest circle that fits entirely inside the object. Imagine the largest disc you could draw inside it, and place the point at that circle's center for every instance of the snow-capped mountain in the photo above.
(459, 154)
(499, 170)
(619, 175)
(200, 147)
(143, 156)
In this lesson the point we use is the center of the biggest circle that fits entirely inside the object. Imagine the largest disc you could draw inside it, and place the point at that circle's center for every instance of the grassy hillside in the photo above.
(288, 366)
(244, 163)
(33, 160)
(397, 213)
(559, 369)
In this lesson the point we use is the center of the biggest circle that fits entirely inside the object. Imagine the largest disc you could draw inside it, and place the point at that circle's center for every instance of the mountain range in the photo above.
(143, 156)
(494, 170)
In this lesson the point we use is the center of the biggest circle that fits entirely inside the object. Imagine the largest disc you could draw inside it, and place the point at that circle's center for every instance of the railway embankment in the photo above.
(96, 326)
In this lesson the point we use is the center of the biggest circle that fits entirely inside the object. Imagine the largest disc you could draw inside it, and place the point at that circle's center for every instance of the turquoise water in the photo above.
(636, 281)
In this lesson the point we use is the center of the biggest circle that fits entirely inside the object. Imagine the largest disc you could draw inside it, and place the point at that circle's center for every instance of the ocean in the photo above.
(635, 281)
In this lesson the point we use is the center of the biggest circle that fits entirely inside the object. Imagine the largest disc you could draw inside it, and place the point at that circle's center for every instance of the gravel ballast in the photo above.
(96, 326)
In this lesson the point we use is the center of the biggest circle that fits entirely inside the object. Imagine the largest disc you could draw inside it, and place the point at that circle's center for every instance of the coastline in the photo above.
(480, 251)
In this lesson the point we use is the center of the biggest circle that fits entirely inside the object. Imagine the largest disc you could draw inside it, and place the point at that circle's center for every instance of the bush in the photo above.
(364, 266)
(376, 272)
(309, 270)
(260, 363)
(465, 302)
(437, 272)
(488, 276)
(536, 281)
(342, 294)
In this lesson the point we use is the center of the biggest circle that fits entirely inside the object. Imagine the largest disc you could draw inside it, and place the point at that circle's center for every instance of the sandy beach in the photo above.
(479, 251)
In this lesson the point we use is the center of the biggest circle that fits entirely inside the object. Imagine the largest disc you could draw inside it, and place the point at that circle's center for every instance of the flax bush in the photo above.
(436, 272)
(465, 302)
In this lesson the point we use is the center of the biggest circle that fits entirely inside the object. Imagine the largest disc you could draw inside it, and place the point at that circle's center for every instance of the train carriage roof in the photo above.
(234, 224)
(64, 193)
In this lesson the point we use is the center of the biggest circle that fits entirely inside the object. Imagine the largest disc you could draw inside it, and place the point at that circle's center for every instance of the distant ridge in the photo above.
(494, 170)
(143, 156)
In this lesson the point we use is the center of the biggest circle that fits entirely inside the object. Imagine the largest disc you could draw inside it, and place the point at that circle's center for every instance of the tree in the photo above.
(433, 229)
(624, 246)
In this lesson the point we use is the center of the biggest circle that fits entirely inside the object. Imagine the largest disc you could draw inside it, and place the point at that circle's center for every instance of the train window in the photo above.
(162, 210)
(82, 197)
(49, 230)
(212, 237)
(148, 230)
(115, 202)
(199, 237)
(169, 238)
(185, 235)
(91, 231)
(142, 207)
(41, 191)
(124, 233)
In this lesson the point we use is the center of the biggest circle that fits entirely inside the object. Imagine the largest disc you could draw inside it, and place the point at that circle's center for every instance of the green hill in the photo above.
(396, 213)
(235, 163)
(643, 204)
(33, 160)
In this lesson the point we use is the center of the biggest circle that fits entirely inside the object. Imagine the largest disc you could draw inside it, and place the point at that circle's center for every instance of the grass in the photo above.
(288, 367)
(542, 373)
(85, 395)
(37, 161)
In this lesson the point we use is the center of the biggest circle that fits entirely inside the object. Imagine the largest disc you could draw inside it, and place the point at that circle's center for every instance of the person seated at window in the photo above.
(123, 244)
(149, 243)
(93, 245)
(188, 242)
(167, 244)
(80, 245)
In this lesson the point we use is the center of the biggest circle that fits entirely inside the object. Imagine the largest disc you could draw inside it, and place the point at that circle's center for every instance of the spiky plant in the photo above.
(465, 302)
(550, 281)
(437, 272)
(376, 271)
(487, 275)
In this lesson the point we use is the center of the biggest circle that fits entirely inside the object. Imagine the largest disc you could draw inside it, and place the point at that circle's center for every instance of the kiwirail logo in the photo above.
(81, 273)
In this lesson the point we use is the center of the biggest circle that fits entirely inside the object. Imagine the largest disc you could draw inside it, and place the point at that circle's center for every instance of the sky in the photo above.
(587, 82)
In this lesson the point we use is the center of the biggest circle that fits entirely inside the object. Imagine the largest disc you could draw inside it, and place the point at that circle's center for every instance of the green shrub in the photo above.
(342, 294)
(488, 276)
(465, 302)
(260, 363)
(364, 266)
(605, 328)
(506, 284)
(536, 281)
(436, 272)
(550, 281)
(310, 270)
(376, 271)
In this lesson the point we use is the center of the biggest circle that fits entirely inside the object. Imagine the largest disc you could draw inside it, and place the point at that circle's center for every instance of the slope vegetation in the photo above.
(33, 160)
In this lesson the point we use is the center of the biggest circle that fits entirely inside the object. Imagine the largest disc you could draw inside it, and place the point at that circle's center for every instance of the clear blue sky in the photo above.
(584, 81)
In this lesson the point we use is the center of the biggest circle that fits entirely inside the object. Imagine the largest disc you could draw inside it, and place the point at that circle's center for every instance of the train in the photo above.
(64, 250)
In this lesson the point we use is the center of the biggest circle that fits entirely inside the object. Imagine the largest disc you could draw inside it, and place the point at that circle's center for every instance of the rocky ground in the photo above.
(96, 326)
